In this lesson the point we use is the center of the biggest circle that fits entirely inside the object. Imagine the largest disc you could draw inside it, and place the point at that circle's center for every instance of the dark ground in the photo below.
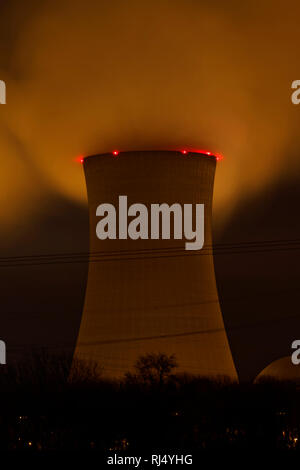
(44, 410)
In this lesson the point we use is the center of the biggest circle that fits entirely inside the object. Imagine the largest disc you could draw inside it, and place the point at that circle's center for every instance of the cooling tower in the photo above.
(280, 369)
(146, 296)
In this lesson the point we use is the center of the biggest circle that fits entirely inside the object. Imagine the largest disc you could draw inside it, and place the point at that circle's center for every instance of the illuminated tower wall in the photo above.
(152, 295)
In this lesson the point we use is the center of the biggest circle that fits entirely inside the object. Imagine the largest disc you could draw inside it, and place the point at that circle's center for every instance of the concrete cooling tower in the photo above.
(280, 369)
(152, 295)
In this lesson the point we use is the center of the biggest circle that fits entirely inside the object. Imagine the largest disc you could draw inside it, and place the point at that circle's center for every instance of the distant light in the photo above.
(80, 159)
(115, 153)
(184, 152)
(205, 152)
(218, 156)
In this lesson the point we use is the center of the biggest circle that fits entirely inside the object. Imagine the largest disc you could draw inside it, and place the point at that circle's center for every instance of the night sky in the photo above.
(95, 76)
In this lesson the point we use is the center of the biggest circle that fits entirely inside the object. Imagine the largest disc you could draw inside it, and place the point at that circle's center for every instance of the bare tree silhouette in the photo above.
(153, 368)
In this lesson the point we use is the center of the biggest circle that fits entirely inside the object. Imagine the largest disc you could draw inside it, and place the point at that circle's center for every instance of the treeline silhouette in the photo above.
(50, 403)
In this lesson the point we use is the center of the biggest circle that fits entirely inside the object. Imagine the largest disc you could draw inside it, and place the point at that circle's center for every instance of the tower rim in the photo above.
(184, 152)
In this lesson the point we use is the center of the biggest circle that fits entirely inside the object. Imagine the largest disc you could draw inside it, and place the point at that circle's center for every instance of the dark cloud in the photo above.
(87, 77)
(259, 282)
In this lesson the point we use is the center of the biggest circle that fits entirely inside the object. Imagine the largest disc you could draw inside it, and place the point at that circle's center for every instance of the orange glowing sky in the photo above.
(88, 77)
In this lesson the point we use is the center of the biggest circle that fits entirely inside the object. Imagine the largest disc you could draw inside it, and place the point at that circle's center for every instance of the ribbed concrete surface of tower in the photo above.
(149, 295)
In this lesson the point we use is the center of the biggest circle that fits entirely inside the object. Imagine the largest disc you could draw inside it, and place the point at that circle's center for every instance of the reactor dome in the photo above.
(281, 369)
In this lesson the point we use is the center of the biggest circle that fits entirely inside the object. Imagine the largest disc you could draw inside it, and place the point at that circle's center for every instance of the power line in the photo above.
(198, 332)
(215, 246)
(93, 257)
(190, 333)
(179, 334)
